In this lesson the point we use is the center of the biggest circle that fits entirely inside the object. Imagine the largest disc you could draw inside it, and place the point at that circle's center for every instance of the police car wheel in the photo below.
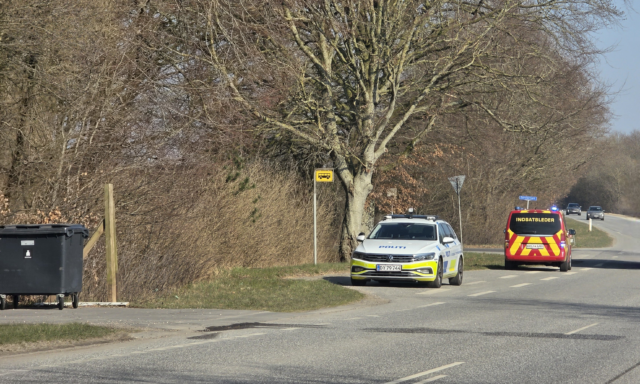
(437, 283)
(358, 283)
(457, 280)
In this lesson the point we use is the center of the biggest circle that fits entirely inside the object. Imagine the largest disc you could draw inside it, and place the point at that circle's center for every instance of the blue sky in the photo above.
(621, 69)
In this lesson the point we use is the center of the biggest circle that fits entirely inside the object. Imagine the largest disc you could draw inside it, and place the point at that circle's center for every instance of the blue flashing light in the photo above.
(554, 208)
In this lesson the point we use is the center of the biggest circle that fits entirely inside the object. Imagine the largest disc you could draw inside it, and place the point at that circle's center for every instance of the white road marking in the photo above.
(614, 257)
(585, 269)
(508, 276)
(373, 315)
(431, 379)
(520, 285)
(569, 273)
(475, 282)
(533, 272)
(354, 318)
(598, 265)
(432, 291)
(581, 329)
(432, 304)
(250, 314)
(13, 371)
(481, 293)
(290, 329)
(425, 373)
(549, 278)
(322, 324)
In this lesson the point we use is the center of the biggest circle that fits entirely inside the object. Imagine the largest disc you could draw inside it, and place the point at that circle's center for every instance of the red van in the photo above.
(537, 237)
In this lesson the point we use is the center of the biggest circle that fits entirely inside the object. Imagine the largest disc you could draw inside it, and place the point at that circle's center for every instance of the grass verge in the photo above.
(585, 239)
(474, 261)
(33, 333)
(265, 289)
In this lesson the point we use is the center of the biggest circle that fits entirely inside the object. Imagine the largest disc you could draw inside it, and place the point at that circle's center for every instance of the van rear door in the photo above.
(535, 234)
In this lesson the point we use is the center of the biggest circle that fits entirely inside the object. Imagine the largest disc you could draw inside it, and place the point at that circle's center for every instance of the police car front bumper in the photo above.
(416, 271)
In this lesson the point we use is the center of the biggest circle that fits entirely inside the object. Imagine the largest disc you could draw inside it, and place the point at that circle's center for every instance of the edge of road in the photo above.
(630, 218)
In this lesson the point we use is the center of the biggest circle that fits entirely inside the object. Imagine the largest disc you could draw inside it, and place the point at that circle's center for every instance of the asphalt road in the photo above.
(534, 325)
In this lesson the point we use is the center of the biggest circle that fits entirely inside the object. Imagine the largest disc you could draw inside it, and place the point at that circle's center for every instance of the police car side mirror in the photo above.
(360, 237)
(447, 240)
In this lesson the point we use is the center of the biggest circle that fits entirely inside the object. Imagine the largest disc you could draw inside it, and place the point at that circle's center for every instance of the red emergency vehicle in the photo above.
(537, 237)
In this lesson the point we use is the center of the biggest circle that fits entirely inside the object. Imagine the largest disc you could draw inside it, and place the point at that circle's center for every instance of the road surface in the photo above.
(534, 325)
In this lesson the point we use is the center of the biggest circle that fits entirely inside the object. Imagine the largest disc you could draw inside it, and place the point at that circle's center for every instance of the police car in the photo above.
(408, 247)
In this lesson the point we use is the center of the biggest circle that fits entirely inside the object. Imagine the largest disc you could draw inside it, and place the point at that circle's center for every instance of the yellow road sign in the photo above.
(324, 175)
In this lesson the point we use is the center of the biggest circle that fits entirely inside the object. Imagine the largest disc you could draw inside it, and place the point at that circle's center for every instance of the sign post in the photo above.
(392, 192)
(321, 175)
(528, 199)
(456, 183)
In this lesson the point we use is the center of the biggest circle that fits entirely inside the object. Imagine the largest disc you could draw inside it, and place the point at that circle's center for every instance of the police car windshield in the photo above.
(405, 231)
(535, 223)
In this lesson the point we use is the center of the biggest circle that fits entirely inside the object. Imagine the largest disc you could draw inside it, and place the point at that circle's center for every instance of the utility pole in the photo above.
(456, 183)
(110, 237)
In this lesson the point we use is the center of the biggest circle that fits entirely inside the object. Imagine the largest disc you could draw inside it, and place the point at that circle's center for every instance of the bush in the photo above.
(181, 224)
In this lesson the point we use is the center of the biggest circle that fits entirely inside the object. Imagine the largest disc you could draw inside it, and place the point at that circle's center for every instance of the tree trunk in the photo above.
(357, 195)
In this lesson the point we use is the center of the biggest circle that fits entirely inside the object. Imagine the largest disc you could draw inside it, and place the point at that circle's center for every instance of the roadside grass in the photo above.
(474, 261)
(33, 333)
(267, 289)
(585, 239)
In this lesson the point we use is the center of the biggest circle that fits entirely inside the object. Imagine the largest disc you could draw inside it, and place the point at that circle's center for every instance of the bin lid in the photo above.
(44, 229)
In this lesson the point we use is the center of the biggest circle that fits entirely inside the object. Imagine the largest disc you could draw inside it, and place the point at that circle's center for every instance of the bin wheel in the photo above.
(60, 302)
(3, 303)
(74, 300)
(16, 299)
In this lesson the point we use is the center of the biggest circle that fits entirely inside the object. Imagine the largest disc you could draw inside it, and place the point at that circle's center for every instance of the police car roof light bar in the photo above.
(426, 217)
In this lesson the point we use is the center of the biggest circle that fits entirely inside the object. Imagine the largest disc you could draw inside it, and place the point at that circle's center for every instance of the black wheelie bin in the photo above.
(41, 260)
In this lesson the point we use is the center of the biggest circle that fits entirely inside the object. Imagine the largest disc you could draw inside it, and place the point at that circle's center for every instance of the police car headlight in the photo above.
(358, 255)
(424, 256)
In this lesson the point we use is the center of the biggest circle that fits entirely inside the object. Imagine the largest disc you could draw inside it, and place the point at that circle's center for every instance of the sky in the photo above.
(621, 69)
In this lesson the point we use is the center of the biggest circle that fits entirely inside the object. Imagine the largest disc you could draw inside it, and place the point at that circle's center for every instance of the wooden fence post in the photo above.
(110, 237)
(93, 240)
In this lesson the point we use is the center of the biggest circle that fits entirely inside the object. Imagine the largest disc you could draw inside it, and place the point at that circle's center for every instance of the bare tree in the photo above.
(348, 77)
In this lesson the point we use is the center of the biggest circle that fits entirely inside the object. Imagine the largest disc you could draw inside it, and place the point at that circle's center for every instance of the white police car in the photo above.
(408, 248)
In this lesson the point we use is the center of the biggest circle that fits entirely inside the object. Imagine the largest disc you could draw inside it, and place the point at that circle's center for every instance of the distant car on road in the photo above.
(574, 208)
(595, 212)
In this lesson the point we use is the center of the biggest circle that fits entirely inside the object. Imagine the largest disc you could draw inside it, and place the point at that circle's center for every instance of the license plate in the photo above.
(535, 246)
(389, 268)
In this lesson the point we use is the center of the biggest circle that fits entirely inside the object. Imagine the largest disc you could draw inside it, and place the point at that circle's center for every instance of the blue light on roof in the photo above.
(554, 208)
